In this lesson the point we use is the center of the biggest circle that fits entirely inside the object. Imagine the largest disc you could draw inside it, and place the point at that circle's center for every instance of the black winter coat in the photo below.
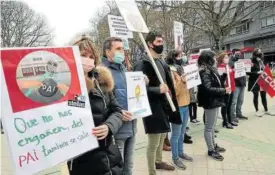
(158, 122)
(211, 92)
(253, 75)
(105, 160)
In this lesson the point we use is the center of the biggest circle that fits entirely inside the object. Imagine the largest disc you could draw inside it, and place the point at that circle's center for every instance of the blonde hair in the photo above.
(86, 45)
(220, 56)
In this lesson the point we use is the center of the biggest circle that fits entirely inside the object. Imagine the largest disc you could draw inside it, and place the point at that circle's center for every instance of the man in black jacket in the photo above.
(238, 94)
(157, 125)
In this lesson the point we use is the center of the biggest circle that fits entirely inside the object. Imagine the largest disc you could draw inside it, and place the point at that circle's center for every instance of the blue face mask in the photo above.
(118, 58)
(184, 58)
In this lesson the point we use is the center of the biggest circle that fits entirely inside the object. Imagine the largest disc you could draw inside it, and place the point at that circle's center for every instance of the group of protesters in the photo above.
(115, 128)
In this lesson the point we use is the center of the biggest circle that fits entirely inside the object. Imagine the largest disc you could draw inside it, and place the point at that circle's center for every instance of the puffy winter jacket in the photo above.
(211, 92)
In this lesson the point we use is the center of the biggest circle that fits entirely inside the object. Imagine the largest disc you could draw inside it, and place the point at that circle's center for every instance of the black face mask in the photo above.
(179, 62)
(259, 55)
(158, 49)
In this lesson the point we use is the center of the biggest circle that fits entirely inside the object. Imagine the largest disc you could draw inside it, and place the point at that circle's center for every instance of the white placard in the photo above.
(118, 27)
(192, 75)
(46, 110)
(178, 34)
(239, 69)
(132, 16)
(247, 64)
(137, 97)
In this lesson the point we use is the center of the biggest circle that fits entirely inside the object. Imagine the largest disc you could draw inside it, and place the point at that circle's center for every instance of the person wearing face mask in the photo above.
(223, 64)
(157, 125)
(106, 159)
(253, 86)
(211, 93)
(175, 62)
(113, 59)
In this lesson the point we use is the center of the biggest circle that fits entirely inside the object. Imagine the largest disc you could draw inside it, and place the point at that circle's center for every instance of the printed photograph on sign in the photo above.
(39, 77)
(43, 77)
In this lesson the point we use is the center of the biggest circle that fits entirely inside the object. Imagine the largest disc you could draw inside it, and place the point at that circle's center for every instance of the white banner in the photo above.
(178, 34)
(192, 75)
(138, 102)
(118, 27)
(132, 16)
(239, 69)
(46, 110)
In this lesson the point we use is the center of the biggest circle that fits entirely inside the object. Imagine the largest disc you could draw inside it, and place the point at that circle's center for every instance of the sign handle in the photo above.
(157, 71)
(228, 76)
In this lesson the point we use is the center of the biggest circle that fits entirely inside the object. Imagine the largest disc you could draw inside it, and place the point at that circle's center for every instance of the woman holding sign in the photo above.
(175, 62)
(223, 60)
(107, 117)
(211, 97)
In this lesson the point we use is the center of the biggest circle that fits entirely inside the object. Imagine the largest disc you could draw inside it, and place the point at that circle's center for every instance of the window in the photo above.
(246, 27)
(263, 22)
(239, 30)
(233, 31)
(269, 20)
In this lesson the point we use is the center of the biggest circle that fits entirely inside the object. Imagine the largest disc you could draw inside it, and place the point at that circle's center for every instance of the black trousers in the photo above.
(225, 111)
(193, 111)
(256, 99)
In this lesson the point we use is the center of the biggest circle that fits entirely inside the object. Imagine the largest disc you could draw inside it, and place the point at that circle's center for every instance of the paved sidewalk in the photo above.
(250, 149)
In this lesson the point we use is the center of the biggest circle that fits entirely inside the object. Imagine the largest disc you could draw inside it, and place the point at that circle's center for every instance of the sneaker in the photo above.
(179, 164)
(215, 155)
(187, 136)
(188, 141)
(186, 157)
(194, 121)
(270, 113)
(219, 149)
(164, 166)
(197, 121)
(259, 114)
(241, 117)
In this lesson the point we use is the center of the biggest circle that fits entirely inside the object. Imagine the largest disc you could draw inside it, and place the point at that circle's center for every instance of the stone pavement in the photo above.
(250, 148)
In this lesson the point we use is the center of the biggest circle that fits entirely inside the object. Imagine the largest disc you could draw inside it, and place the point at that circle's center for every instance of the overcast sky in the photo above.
(66, 17)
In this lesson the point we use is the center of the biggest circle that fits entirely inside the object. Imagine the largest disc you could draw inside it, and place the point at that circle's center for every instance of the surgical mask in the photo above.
(87, 63)
(184, 58)
(158, 49)
(119, 57)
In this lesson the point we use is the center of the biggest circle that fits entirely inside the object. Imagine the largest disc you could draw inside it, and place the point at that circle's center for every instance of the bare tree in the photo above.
(22, 27)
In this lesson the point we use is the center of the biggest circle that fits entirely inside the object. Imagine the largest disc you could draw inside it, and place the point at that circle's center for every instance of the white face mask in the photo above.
(87, 63)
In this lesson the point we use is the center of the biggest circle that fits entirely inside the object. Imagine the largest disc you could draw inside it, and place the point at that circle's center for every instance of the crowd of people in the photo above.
(219, 93)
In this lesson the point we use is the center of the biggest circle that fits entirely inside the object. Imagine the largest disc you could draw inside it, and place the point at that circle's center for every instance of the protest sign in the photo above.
(125, 44)
(192, 75)
(118, 27)
(132, 16)
(46, 109)
(239, 69)
(247, 64)
(135, 22)
(178, 34)
(138, 102)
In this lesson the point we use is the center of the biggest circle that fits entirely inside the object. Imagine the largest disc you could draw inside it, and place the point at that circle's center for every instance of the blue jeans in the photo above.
(127, 147)
(237, 101)
(177, 133)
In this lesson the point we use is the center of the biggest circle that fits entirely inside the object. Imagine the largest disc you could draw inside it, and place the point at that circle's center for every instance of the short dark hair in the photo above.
(107, 45)
(172, 55)
(206, 58)
(151, 36)
(235, 50)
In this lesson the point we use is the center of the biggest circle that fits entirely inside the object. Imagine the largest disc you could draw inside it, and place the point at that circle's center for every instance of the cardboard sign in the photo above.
(132, 16)
(192, 75)
(178, 34)
(118, 27)
(239, 69)
(247, 64)
(46, 110)
(138, 102)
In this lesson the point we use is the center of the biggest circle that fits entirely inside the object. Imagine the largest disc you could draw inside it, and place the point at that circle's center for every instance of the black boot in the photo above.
(187, 136)
(215, 155)
(219, 149)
